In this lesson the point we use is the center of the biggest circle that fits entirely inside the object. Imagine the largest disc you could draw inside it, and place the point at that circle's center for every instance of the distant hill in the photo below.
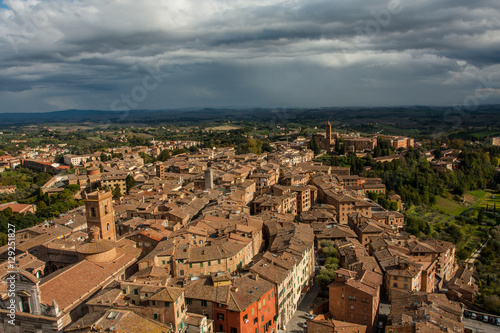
(407, 117)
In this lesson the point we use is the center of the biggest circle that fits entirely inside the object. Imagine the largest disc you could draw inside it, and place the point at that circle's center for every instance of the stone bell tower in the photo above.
(100, 214)
(328, 138)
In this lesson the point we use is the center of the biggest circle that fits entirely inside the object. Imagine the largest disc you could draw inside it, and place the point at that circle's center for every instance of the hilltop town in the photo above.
(219, 240)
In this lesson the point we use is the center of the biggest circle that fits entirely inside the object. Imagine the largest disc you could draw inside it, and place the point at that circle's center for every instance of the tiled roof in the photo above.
(77, 282)
(167, 294)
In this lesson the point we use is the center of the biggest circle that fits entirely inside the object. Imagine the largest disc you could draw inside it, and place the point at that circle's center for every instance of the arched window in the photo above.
(92, 212)
(107, 227)
(105, 209)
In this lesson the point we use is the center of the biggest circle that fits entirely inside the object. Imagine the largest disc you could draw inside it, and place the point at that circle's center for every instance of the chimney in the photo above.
(94, 234)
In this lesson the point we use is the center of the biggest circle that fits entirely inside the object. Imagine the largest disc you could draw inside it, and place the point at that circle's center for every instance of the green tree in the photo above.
(147, 159)
(116, 192)
(393, 205)
(329, 251)
(332, 264)
(480, 215)
(324, 278)
(41, 206)
(130, 182)
(267, 147)
(7, 212)
(314, 146)
(164, 155)
(253, 146)
(73, 188)
(492, 303)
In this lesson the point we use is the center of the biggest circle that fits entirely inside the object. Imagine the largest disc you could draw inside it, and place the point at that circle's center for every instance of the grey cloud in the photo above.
(259, 52)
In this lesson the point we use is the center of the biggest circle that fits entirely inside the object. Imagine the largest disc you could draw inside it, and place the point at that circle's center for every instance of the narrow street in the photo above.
(296, 323)
(476, 254)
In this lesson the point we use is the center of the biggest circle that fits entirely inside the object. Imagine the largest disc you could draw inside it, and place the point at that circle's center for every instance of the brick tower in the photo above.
(328, 138)
(99, 210)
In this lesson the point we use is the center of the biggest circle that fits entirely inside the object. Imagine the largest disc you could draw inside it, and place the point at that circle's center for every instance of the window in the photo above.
(167, 304)
(221, 328)
(209, 263)
(190, 265)
(203, 303)
(253, 311)
(264, 302)
(25, 304)
(260, 307)
(406, 286)
(177, 313)
(92, 212)
(163, 262)
(155, 316)
(218, 261)
(189, 301)
(154, 303)
(136, 292)
(245, 317)
(105, 209)
(269, 297)
(124, 291)
(262, 318)
(220, 316)
(181, 272)
(395, 285)
(234, 330)
(201, 264)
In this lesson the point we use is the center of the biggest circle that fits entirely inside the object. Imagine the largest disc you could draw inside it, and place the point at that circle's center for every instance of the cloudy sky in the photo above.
(152, 54)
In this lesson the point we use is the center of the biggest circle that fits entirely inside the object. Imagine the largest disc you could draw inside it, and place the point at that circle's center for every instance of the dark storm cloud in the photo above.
(60, 54)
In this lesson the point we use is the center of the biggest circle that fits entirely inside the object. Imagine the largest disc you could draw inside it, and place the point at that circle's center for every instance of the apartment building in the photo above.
(355, 297)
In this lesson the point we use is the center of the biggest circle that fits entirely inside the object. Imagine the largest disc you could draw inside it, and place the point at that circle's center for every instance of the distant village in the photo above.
(212, 241)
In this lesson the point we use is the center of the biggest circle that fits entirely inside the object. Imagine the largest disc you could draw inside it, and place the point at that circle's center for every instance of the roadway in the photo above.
(296, 323)
(480, 327)
(476, 254)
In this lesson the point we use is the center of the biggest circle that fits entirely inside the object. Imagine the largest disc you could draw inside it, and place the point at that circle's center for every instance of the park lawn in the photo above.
(473, 235)
(449, 206)
(479, 194)
(485, 198)
(490, 201)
